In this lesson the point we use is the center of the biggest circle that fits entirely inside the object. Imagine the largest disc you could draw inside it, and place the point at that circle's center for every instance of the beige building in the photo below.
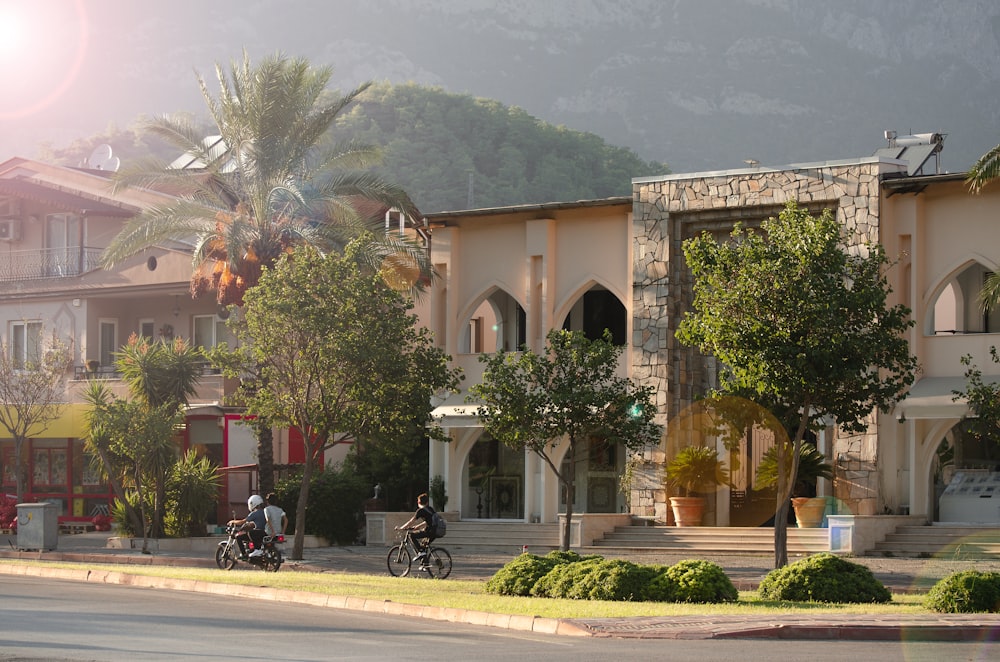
(525, 270)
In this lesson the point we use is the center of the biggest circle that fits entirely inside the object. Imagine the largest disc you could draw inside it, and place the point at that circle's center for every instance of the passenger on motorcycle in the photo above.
(253, 527)
(277, 520)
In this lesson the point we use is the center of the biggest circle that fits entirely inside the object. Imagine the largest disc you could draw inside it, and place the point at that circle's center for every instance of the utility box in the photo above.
(37, 526)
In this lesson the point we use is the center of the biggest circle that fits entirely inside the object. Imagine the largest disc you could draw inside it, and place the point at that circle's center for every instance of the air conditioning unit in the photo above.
(10, 229)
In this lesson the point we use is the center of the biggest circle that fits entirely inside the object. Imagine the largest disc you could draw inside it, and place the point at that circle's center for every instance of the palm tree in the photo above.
(271, 179)
(985, 171)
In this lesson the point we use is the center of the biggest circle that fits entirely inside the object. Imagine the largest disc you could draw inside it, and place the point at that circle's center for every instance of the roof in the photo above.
(934, 398)
(546, 206)
(66, 200)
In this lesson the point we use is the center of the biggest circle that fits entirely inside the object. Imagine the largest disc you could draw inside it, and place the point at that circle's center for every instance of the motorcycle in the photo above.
(227, 554)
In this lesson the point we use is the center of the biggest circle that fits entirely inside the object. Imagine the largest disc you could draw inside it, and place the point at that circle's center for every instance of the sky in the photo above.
(698, 84)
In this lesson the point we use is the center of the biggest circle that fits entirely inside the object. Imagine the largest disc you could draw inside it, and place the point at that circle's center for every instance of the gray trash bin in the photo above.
(37, 526)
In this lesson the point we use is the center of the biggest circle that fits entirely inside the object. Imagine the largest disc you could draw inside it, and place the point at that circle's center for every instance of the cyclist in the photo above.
(422, 532)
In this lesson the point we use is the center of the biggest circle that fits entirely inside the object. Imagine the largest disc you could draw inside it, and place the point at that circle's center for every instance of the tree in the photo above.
(272, 181)
(135, 440)
(984, 171)
(31, 386)
(340, 356)
(571, 393)
(801, 324)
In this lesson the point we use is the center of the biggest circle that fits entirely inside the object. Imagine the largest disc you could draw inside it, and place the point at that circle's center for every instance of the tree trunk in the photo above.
(785, 483)
(265, 455)
(300, 511)
(19, 467)
(570, 484)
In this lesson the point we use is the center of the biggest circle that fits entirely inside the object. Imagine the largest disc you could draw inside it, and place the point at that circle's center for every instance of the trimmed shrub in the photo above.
(700, 581)
(334, 510)
(823, 578)
(595, 579)
(519, 576)
(965, 592)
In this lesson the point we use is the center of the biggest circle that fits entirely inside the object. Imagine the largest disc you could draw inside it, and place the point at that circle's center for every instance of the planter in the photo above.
(809, 511)
(688, 511)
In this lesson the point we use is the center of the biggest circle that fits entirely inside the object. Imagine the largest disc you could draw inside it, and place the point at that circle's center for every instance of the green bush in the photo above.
(192, 491)
(965, 592)
(598, 579)
(823, 578)
(519, 576)
(699, 581)
(335, 503)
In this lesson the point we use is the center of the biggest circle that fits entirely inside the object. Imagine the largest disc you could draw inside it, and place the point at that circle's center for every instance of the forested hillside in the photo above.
(450, 151)
(435, 141)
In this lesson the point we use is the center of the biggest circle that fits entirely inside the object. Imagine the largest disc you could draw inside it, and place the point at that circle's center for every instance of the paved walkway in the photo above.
(899, 575)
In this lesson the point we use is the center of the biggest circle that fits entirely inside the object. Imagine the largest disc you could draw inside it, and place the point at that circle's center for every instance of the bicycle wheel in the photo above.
(225, 557)
(438, 563)
(399, 561)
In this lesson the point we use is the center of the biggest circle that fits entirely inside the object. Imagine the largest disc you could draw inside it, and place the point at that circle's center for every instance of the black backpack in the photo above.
(438, 525)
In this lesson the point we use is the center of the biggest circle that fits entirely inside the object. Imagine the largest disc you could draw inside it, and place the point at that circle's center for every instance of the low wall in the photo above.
(588, 527)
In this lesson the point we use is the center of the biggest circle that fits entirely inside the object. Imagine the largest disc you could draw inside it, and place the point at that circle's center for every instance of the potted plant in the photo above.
(809, 509)
(694, 469)
(93, 365)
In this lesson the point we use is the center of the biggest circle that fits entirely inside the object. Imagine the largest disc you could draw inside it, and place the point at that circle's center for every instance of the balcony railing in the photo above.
(47, 263)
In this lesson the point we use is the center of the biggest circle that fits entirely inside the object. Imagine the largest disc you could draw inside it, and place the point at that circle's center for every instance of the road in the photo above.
(43, 619)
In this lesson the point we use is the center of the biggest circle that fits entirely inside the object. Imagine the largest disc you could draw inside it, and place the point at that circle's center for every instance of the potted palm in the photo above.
(695, 469)
(809, 509)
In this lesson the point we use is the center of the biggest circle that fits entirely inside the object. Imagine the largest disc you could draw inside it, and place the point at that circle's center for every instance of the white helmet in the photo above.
(255, 502)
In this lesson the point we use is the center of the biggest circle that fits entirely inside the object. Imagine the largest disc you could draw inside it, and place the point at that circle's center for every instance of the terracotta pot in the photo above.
(809, 511)
(688, 511)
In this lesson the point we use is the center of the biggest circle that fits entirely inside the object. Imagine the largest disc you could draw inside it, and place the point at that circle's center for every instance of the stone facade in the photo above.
(668, 210)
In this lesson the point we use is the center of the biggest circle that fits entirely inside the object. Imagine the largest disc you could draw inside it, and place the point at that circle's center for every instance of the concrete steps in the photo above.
(708, 540)
(941, 541)
(493, 536)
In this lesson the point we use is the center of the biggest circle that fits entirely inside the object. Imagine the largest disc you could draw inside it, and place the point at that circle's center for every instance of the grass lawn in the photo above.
(471, 595)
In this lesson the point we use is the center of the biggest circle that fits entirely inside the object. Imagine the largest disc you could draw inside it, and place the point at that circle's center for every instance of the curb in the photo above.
(944, 628)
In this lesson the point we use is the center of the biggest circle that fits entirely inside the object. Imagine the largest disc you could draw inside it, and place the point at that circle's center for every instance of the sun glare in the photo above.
(42, 49)
(12, 28)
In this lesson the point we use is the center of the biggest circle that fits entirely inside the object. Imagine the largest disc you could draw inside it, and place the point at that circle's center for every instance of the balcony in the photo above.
(47, 263)
(212, 387)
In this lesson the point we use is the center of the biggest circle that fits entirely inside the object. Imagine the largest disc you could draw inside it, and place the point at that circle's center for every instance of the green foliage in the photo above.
(568, 575)
(439, 498)
(699, 581)
(338, 355)
(290, 184)
(812, 465)
(983, 423)
(570, 391)
(334, 510)
(518, 577)
(800, 322)
(965, 592)
(695, 469)
(433, 140)
(823, 578)
(192, 491)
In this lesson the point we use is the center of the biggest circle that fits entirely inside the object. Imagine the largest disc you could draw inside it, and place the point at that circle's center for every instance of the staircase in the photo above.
(941, 541)
(473, 536)
(705, 540)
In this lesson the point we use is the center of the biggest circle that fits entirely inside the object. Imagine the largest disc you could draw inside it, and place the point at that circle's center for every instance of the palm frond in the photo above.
(986, 170)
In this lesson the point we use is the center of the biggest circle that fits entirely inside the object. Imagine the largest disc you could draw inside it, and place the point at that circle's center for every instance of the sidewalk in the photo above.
(899, 575)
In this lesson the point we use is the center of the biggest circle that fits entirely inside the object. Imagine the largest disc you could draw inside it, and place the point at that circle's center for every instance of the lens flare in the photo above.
(43, 48)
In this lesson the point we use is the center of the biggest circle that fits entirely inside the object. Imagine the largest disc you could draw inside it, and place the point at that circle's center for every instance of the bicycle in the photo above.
(437, 562)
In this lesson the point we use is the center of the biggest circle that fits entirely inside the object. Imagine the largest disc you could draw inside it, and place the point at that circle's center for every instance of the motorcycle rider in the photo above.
(253, 524)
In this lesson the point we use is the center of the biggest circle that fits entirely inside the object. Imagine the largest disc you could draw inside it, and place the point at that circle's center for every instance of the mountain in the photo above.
(698, 84)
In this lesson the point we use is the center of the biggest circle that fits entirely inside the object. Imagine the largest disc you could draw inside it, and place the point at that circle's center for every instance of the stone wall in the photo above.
(668, 210)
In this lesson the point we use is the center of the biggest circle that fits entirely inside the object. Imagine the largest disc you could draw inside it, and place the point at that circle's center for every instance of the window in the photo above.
(25, 344)
(209, 331)
(109, 340)
(147, 328)
(63, 238)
